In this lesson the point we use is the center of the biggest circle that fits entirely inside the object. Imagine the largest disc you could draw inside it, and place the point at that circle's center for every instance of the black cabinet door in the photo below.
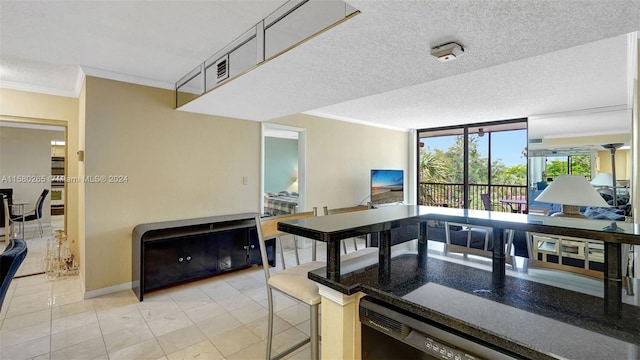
(232, 249)
(200, 256)
(254, 249)
(171, 261)
(162, 265)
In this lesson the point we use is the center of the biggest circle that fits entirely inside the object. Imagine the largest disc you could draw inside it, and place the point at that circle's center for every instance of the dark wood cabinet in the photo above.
(173, 252)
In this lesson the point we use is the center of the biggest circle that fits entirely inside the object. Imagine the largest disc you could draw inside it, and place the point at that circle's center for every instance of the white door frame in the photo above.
(302, 169)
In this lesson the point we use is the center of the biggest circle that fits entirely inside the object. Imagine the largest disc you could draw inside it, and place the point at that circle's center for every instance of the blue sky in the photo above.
(507, 145)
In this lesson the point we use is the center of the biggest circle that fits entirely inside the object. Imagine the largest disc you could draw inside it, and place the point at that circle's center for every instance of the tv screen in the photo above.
(387, 186)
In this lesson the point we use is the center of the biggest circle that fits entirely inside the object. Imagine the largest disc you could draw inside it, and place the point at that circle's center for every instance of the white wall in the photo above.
(340, 156)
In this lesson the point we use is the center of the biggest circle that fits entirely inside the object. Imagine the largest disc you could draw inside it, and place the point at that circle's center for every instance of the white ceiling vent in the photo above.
(222, 68)
(291, 24)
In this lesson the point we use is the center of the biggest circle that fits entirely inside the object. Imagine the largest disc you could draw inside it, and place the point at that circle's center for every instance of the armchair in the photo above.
(10, 261)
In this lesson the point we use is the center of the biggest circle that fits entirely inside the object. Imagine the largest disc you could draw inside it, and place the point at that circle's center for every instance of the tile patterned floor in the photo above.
(35, 262)
(222, 317)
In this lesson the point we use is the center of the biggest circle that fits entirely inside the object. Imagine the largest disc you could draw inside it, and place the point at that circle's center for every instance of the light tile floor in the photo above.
(35, 262)
(222, 317)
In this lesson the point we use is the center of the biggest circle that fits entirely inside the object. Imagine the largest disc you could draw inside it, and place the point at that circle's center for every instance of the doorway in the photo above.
(32, 159)
(283, 170)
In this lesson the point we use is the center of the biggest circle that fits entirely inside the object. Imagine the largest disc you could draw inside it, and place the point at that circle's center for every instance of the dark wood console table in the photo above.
(172, 252)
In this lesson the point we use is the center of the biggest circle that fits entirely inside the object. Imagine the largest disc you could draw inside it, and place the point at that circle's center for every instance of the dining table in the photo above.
(516, 205)
(20, 204)
(333, 228)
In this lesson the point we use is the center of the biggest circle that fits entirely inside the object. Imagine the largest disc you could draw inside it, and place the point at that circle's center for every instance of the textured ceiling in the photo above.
(43, 44)
(521, 58)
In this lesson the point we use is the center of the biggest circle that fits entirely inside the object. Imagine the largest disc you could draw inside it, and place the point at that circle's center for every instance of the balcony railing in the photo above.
(451, 195)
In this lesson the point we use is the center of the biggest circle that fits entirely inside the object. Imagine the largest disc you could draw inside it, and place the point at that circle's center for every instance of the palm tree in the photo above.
(432, 168)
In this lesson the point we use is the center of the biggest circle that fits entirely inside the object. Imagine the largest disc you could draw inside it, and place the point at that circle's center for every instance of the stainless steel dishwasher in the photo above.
(389, 333)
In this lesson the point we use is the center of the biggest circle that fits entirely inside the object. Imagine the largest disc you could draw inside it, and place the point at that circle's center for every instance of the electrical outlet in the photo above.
(245, 181)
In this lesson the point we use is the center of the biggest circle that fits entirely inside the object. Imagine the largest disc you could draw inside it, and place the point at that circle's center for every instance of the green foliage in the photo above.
(432, 168)
(447, 166)
(580, 165)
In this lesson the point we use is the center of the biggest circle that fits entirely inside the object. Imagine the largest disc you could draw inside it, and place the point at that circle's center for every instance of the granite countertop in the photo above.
(527, 318)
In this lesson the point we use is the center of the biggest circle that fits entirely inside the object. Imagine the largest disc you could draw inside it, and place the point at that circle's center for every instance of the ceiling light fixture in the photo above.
(448, 51)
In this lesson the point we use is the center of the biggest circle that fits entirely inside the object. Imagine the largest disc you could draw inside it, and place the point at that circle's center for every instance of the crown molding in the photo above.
(603, 109)
(38, 89)
(126, 78)
(83, 71)
(355, 121)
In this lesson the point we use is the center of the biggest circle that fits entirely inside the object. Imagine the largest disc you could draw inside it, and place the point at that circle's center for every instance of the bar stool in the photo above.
(293, 282)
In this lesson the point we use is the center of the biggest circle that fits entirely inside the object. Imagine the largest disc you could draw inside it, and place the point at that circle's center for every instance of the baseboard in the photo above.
(106, 290)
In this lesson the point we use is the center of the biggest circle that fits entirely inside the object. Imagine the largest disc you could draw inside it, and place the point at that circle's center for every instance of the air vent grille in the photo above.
(535, 141)
(382, 323)
(222, 69)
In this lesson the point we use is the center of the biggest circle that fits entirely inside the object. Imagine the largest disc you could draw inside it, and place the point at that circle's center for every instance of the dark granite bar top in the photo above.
(342, 226)
(531, 319)
(528, 318)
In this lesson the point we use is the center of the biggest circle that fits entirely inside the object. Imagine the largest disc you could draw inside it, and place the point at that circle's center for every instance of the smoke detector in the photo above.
(448, 51)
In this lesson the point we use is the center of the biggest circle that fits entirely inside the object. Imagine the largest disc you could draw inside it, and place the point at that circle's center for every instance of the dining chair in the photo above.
(486, 201)
(5, 221)
(294, 216)
(8, 193)
(35, 214)
(292, 282)
(328, 211)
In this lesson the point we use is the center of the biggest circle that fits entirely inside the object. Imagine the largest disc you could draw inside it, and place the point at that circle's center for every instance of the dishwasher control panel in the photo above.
(436, 348)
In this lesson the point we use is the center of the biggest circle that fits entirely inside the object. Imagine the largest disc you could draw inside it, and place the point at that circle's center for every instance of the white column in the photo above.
(635, 143)
(340, 325)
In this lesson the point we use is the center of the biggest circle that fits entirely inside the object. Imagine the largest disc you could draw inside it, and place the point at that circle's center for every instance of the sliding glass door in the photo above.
(473, 166)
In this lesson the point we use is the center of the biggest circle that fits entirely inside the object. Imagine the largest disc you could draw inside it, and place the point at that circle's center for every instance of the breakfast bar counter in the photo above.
(522, 318)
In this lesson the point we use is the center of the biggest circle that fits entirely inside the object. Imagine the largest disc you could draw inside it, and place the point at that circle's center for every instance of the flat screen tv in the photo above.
(387, 186)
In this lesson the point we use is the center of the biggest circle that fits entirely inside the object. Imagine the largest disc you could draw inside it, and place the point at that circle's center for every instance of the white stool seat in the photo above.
(295, 282)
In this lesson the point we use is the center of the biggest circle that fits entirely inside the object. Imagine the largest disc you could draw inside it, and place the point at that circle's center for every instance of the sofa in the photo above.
(10, 261)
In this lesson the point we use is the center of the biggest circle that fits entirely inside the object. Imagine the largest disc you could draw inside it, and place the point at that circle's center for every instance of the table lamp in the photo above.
(571, 191)
(603, 179)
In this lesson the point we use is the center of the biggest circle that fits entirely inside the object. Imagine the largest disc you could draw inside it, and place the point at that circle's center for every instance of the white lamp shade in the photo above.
(571, 190)
(603, 179)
